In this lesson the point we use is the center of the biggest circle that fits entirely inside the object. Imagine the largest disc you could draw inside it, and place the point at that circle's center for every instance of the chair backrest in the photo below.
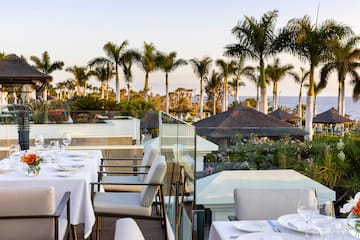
(151, 152)
(27, 201)
(261, 204)
(155, 175)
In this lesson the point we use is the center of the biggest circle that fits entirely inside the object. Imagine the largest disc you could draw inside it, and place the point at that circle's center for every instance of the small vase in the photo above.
(353, 225)
(32, 170)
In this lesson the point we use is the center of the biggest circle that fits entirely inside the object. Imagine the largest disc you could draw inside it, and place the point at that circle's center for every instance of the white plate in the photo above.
(270, 236)
(65, 174)
(289, 221)
(78, 154)
(251, 226)
(78, 158)
(68, 167)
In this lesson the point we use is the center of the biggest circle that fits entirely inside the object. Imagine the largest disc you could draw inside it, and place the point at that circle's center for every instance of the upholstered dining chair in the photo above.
(127, 228)
(137, 176)
(262, 204)
(133, 204)
(30, 213)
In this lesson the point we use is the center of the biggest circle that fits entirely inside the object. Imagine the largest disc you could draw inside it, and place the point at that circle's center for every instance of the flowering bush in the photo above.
(31, 159)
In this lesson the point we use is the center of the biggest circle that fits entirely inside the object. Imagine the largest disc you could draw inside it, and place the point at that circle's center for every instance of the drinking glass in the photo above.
(54, 148)
(14, 150)
(307, 211)
(66, 139)
(324, 220)
(39, 141)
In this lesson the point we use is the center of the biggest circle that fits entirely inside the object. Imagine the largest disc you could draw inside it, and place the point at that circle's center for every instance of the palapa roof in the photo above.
(331, 116)
(283, 116)
(15, 71)
(245, 121)
(150, 119)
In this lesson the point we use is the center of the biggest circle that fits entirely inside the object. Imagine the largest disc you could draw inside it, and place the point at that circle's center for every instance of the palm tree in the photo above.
(201, 69)
(300, 79)
(3, 55)
(103, 73)
(148, 64)
(81, 76)
(226, 70)
(167, 64)
(275, 73)
(114, 53)
(241, 70)
(127, 60)
(344, 58)
(311, 43)
(47, 67)
(256, 39)
(212, 87)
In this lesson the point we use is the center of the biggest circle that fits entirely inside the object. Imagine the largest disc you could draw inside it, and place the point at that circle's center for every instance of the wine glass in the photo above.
(324, 220)
(14, 150)
(66, 139)
(307, 210)
(39, 141)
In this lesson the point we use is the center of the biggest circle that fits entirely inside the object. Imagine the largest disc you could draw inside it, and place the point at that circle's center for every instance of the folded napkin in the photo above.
(300, 224)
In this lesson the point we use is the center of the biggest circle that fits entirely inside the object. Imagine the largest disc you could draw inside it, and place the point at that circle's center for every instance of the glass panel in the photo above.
(178, 145)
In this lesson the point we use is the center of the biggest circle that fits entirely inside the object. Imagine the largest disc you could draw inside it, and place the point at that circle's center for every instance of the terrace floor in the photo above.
(151, 229)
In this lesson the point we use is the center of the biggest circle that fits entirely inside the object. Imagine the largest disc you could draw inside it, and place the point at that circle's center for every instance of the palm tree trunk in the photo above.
(214, 104)
(107, 90)
(342, 103)
(146, 87)
(275, 97)
(201, 99)
(310, 107)
(167, 93)
(257, 98)
(339, 96)
(300, 107)
(223, 104)
(128, 90)
(225, 95)
(237, 91)
(263, 96)
(117, 83)
(102, 90)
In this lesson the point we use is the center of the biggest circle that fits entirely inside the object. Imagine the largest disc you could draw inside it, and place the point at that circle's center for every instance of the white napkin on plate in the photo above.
(300, 225)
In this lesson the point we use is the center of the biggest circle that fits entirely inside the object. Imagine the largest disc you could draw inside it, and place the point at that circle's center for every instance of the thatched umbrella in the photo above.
(16, 72)
(284, 116)
(331, 116)
(150, 120)
(244, 121)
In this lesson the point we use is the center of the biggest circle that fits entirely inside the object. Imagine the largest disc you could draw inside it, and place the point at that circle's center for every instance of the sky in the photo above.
(74, 31)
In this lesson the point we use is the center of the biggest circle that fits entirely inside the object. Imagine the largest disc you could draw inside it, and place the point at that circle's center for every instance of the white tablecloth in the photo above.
(225, 230)
(78, 183)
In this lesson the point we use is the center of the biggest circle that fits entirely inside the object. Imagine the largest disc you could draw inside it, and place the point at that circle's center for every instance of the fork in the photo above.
(274, 227)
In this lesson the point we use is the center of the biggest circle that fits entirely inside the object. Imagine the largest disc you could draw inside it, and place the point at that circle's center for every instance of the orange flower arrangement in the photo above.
(31, 159)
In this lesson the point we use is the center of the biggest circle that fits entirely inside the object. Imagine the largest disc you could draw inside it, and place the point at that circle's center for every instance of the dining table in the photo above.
(272, 230)
(67, 171)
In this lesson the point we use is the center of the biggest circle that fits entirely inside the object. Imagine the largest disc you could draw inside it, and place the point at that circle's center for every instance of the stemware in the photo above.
(324, 220)
(39, 141)
(66, 139)
(307, 211)
(14, 150)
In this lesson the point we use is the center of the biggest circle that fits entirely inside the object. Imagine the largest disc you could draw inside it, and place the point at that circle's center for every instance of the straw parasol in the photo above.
(284, 116)
(245, 121)
(16, 72)
(150, 120)
(331, 116)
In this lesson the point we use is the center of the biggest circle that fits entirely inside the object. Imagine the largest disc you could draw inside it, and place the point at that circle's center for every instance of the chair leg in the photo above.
(73, 232)
(98, 227)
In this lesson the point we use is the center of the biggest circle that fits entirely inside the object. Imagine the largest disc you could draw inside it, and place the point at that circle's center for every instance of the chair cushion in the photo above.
(126, 203)
(122, 179)
(155, 175)
(17, 201)
(29, 201)
(126, 228)
(151, 152)
(261, 204)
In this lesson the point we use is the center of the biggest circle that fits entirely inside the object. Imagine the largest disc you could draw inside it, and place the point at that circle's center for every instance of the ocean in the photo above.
(322, 104)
